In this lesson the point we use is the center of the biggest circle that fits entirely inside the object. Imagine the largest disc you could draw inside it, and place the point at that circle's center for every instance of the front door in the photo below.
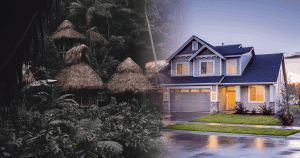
(231, 97)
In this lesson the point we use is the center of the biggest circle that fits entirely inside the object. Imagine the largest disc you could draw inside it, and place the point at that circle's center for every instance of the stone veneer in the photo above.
(214, 106)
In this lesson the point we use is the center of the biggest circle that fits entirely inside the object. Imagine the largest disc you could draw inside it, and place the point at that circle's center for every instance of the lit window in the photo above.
(205, 90)
(231, 67)
(194, 90)
(207, 67)
(160, 90)
(194, 45)
(182, 68)
(185, 90)
(257, 93)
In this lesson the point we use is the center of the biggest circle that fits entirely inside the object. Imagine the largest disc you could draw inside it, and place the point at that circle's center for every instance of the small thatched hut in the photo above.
(66, 36)
(129, 79)
(79, 78)
(95, 35)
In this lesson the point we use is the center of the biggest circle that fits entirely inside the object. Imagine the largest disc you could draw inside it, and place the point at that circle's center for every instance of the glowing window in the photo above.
(194, 90)
(182, 68)
(205, 90)
(231, 67)
(257, 93)
(161, 90)
(207, 67)
(185, 90)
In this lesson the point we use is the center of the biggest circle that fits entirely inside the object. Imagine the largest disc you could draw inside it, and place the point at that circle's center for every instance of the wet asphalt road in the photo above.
(193, 144)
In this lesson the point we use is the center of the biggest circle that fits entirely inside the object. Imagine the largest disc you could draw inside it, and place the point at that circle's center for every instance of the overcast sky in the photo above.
(267, 25)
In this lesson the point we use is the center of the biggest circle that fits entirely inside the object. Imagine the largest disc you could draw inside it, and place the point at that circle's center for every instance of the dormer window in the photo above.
(194, 45)
(206, 67)
(231, 67)
(182, 68)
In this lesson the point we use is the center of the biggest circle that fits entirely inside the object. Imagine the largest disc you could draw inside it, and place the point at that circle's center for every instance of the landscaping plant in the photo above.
(264, 110)
(240, 108)
(253, 112)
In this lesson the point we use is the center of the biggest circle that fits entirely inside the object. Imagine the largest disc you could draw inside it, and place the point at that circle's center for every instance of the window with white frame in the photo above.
(206, 67)
(194, 45)
(256, 93)
(183, 68)
(231, 67)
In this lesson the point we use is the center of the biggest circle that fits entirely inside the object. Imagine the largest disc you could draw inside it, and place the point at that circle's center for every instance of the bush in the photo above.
(264, 110)
(239, 108)
(253, 112)
(285, 117)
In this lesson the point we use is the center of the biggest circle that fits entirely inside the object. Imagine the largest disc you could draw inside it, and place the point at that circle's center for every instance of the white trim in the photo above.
(183, 55)
(256, 101)
(240, 66)
(248, 83)
(236, 73)
(205, 56)
(193, 68)
(188, 84)
(240, 46)
(221, 71)
(237, 93)
(196, 53)
(200, 74)
(271, 93)
(182, 69)
(228, 56)
(216, 52)
(222, 79)
(217, 92)
(180, 48)
(196, 45)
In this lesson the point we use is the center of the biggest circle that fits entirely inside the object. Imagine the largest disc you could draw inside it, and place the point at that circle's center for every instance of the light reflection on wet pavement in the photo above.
(193, 145)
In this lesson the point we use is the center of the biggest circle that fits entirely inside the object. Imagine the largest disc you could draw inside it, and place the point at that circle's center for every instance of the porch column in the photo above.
(272, 99)
(237, 93)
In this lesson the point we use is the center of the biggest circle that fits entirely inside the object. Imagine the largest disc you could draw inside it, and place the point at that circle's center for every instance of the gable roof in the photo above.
(205, 44)
(233, 49)
(261, 68)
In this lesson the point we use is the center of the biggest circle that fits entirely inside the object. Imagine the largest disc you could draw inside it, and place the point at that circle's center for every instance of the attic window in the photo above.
(194, 45)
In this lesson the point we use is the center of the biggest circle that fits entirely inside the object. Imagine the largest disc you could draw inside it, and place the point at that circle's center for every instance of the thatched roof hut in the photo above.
(77, 54)
(79, 76)
(129, 78)
(95, 35)
(28, 77)
(66, 30)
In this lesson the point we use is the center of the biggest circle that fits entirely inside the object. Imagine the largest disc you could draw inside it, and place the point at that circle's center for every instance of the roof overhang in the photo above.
(248, 83)
(205, 46)
(187, 42)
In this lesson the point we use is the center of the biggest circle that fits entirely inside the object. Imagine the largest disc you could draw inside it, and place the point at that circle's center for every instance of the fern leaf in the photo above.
(55, 122)
(111, 146)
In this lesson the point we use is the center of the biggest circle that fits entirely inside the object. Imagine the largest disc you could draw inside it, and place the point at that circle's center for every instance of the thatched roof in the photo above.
(66, 30)
(65, 25)
(28, 77)
(128, 82)
(128, 65)
(95, 36)
(79, 76)
(151, 68)
(75, 54)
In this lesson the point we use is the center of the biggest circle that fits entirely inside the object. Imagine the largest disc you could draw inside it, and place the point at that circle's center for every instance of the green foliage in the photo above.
(264, 110)
(240, 108)
(253, 112)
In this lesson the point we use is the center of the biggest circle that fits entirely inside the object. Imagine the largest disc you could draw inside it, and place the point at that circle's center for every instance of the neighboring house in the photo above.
(205, 76)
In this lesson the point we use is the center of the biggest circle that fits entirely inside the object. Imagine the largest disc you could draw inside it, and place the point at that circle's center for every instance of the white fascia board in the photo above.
(248, 83)
(232, 56)
(193, 56)
(180, 49)
(191, 87)
(210, 48)
(187, 84)
(222, 79)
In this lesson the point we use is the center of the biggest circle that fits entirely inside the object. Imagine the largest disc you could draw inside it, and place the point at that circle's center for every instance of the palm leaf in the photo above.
(115, 147)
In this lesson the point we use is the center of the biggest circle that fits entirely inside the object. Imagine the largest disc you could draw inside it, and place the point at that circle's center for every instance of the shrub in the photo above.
(285, 117)
(264, 110)
(253, 112)
(239, 108)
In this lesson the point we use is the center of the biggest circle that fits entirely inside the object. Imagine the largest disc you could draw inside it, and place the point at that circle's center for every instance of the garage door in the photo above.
(190, 100)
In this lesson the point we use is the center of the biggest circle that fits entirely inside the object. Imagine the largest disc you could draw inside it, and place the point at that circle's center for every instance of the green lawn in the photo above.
(233, 129)
(238, 119)
(294, 106)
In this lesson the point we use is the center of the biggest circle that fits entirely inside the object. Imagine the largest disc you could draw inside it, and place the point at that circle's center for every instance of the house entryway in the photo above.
(227, 97)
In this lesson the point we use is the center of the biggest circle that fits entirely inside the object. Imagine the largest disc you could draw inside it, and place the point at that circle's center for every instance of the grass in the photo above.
(238, 119)
(294, 106)
(233, 129)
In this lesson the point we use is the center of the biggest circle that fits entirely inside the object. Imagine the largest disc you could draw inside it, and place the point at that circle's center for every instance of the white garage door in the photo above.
(190, 100)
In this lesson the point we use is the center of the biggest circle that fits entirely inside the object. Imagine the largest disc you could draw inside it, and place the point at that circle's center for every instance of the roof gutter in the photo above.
(189, 84)
(247, 83)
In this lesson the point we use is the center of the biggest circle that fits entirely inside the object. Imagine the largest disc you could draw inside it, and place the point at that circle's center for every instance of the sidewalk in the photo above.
(293, 136)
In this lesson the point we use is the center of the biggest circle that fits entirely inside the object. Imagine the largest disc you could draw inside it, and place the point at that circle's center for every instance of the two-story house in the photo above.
(203, 76)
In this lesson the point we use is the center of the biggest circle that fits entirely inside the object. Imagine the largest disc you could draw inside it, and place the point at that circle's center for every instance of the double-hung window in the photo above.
(256, 93)
(231, 67)
(182, 68)
(207, 67)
